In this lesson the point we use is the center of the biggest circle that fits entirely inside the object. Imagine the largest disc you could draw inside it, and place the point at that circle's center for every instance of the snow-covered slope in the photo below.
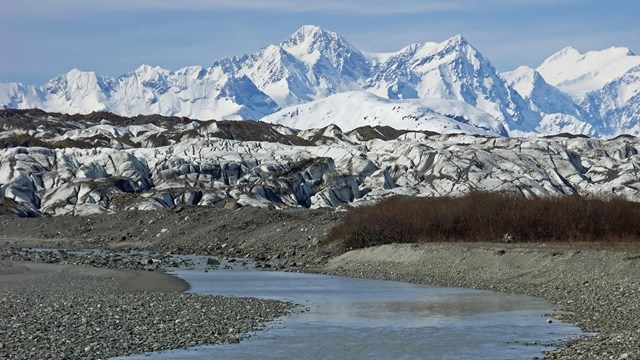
(593, 93)
(557, 110)
(578, 74)
(617, 104)
(354, 109)
(605, 84)
(19, 96)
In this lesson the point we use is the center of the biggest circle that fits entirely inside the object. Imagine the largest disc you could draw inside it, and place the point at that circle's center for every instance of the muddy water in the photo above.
(349, 318)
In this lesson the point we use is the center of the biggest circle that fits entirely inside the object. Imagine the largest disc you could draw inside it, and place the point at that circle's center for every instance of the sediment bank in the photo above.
(77, 312)
(598, 290)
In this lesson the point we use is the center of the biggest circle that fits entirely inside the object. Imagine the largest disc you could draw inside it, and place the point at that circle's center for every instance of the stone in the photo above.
(232, 205)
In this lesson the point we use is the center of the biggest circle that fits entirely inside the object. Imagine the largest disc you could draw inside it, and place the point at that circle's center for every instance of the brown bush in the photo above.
(482, 216)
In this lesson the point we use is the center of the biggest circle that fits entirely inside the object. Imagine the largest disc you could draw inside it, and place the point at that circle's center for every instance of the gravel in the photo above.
(149, 261)
(46, 316)
(72, 315)
(276, 239)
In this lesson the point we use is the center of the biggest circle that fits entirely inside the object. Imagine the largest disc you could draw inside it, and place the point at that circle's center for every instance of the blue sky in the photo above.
(43, 38)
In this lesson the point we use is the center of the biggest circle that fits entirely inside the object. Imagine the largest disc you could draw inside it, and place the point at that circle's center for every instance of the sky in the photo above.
(43, 38)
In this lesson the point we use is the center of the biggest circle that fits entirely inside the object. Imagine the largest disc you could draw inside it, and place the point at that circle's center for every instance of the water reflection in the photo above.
(371, 319)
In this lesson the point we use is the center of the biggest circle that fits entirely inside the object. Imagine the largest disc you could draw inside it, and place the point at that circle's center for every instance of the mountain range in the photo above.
(316, 77)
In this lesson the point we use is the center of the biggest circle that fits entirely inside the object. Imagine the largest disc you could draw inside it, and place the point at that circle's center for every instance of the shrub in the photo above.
(482, 216)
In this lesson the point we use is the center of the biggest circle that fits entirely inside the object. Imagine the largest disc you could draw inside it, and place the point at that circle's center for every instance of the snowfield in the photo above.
(355, 109)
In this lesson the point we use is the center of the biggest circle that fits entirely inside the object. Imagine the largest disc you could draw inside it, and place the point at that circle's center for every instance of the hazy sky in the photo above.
(43, 38)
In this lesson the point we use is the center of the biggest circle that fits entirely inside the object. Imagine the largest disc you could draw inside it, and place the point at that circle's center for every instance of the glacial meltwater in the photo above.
(349, 318)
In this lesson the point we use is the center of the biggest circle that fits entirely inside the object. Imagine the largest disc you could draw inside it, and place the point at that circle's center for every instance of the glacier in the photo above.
(59, 164)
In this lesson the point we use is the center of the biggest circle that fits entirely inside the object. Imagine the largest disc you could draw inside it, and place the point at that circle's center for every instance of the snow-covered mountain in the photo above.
(558, 111)
(594, 93)
(327, 64)
(451, 70)
(605, 84)
(189, 92)
(617, 104)
(578, 74)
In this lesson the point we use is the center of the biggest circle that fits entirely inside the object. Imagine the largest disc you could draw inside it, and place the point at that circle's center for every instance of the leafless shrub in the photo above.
(482, 216)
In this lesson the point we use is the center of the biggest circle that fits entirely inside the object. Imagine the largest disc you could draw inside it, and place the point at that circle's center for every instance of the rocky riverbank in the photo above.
(277, 239)
(78, 312)
(597, 290)
(127, 260)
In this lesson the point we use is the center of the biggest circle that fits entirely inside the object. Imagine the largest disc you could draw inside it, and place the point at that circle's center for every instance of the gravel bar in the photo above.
(597, 290)
(73, 312)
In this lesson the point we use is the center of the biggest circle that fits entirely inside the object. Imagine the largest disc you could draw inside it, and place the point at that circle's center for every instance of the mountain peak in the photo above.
(75, 71)
(314, 46)
(524, 71)
(457, 39)
(148, 72)
(456, 44)
(310, 30)
(312, 37)
(569, 50)
(618, 51)
(523, 80)
(144, 69)
(75, 75)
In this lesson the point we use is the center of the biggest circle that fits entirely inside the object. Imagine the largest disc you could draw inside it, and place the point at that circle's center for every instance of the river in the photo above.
(348, 318)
